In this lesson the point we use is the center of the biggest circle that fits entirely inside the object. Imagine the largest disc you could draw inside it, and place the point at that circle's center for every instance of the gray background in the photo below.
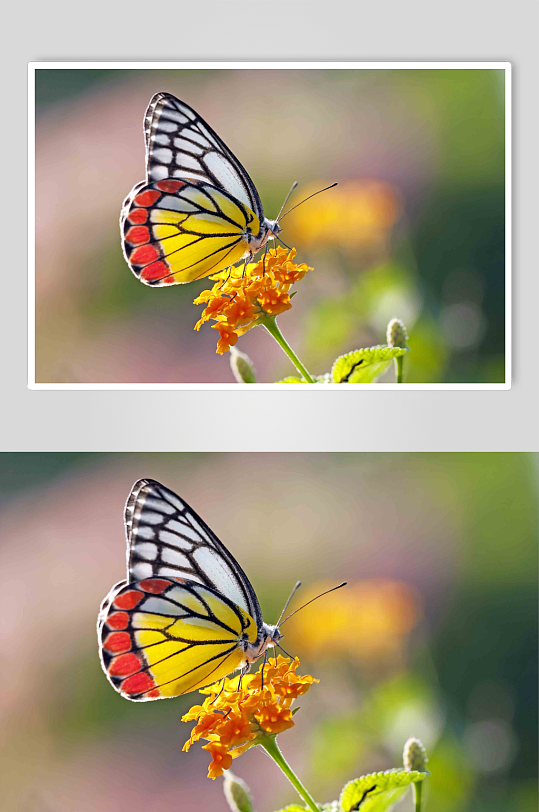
(374, 420)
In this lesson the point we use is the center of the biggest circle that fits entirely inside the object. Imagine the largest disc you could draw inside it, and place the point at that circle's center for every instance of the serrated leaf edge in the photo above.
(414, 775)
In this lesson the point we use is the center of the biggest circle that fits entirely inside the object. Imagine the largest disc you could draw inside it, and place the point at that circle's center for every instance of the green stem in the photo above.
(416, 791)
(269, 743)
(270, 323)
(400, 366)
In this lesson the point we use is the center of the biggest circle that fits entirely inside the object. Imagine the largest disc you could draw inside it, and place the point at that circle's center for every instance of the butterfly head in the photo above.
(273, 228)
(273, 635)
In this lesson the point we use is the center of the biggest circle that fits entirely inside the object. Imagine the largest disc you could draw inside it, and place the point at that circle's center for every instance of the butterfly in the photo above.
(198, 211)
(187, 615)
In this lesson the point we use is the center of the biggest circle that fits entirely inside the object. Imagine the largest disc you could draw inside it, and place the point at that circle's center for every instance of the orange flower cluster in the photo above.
(239, 299)
(233, 720)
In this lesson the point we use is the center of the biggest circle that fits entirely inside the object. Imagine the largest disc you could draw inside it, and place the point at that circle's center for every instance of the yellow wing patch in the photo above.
(160, 638)
(177, 231)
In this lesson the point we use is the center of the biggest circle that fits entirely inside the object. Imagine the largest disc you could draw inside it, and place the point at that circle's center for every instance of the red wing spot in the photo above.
(143, 255)
(118, 620)
(124, 665)
(128, 600)
(157, 270)
(137, 216)
(117, 642)
(170, 185)
(169, 280)
(137, 235)
(146, 198)
(138, 683)
(154, 694)
(154, 585)
(193, 180)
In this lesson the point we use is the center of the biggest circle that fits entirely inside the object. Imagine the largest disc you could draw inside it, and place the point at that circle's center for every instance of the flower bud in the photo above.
(414, 756)
(396, 334)
(242, 366)
(237, 793)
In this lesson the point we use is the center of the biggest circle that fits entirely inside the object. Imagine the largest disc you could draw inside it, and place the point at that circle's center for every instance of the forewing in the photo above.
(167, 539)
(175, 231)
(179, 144)
(160, 638)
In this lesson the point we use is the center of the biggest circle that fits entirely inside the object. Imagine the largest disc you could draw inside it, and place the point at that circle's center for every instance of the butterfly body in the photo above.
(198, 210)
(187, 614)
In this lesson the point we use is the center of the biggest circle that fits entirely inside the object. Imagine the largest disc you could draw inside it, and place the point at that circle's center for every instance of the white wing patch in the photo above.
(180, 144)
(167, 539)
(176, 204)
(141, 570)
(227, 177)
(187, 146)
(159, 606)
(148, 551)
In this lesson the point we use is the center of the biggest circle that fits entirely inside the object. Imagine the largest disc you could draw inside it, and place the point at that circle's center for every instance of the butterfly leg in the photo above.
(285, 652)
(264, 260)
(243, 672)
(221, 689)
(285, 245)
(262, 672)
(229, 269)
(245, 266)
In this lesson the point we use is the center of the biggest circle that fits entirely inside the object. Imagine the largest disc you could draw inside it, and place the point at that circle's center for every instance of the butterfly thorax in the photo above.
(269, 635)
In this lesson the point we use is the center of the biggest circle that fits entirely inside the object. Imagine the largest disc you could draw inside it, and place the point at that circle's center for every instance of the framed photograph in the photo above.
(358, 215)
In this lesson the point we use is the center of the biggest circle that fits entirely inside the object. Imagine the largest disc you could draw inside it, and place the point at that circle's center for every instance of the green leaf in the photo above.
(332, 806)
(317, 378)
(378, 792)
(292, 808)
(364, 366)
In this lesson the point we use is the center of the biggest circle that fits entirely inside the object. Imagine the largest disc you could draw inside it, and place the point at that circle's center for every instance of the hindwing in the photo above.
(176, 231)
(160, 638)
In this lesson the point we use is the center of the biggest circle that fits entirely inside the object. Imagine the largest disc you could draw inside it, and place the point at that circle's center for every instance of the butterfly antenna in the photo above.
(333, 588)
(287, 198)
(285, 607)
(307, 198)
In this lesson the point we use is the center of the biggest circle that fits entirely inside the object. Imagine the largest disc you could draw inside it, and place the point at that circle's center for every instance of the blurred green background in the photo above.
(415, 228)
(435, 635)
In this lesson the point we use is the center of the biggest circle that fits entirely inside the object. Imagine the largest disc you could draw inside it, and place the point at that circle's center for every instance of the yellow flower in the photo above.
(357, 215)
(233, 720)
(239, 300)
(369, 622)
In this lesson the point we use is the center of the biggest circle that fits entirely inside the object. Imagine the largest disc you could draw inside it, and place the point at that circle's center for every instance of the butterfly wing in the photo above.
(167, 539)
(160, 638)
(179, 144)
(175, 231)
